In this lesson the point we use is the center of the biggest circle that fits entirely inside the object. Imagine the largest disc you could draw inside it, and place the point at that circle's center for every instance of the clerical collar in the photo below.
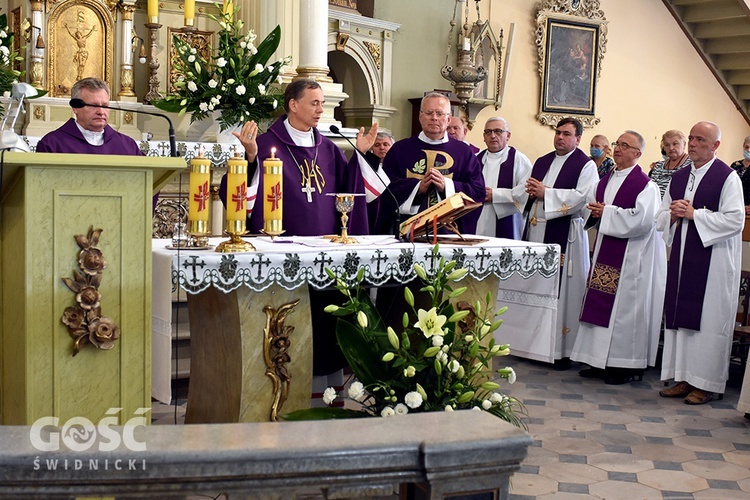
(300, 138)
(497, 154)
(565, 155)
(93, 138)
(624, 171)
(424, 138)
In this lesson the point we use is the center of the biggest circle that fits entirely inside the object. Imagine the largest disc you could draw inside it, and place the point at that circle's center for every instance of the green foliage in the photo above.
(8, 56)
(237, 80)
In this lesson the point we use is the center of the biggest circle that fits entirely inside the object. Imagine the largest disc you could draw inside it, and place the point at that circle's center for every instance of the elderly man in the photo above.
(376, 180)
(557, 191)
(89, 132)
(431, 166)
(702, 216)
(506, 171)
(619, 331)
(457, 129)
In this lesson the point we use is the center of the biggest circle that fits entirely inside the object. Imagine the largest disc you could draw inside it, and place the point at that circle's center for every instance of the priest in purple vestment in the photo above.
(431, 166)
(313, 168)
(702, 216)
(89, 132)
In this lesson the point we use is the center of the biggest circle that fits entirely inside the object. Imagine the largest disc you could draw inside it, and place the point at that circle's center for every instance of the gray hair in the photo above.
(91, 84)
(435, 95)
(639, 137)
(383, 135)
(747, 139)
(506, 126)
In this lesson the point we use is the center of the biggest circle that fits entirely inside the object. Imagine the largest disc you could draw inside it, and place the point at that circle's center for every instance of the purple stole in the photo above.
(683, 303)
(504, 226)
(604, 277)
(556, 230)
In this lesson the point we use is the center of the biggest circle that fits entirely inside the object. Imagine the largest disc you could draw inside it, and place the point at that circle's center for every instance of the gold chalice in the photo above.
(344, 205)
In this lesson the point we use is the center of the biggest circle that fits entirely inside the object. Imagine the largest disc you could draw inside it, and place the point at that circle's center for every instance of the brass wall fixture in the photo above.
(276, 353)
(84, 320)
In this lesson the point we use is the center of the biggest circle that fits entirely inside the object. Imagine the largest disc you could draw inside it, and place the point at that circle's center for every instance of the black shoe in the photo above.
(620, 376)
(561, 364)
(591, 373)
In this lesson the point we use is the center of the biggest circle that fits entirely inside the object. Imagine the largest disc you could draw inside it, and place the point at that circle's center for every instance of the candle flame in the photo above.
(273, 152)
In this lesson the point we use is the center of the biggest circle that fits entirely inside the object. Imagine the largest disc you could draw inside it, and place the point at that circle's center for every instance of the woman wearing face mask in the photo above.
(673, 144)
(742, 167)
(601, 154)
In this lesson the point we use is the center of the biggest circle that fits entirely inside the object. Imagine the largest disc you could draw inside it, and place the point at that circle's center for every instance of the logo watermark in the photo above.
(80, 434)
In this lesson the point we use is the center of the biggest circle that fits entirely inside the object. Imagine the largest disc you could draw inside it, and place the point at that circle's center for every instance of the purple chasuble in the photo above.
(329, 172)
(556, 230)
(68, 139)
(683, 303)
(604, 277)
(409, 159)
(504, 225)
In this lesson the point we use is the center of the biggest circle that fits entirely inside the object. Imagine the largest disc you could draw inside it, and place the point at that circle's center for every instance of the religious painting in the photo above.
(200, 40)
(571, 40)
(570, 68)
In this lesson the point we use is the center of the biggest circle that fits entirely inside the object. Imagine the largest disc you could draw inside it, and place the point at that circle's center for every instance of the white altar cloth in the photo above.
(528, 274)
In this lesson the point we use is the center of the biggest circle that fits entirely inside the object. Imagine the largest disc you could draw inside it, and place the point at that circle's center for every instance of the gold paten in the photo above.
(276, 353)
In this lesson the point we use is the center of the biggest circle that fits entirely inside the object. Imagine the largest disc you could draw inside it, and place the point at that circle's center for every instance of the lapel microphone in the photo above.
(334, 129)
(80, 103)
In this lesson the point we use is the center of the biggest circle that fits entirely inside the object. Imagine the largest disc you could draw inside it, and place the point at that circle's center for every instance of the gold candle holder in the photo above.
(199, 200)
(273, 195)
(153, 63)
(236, 207)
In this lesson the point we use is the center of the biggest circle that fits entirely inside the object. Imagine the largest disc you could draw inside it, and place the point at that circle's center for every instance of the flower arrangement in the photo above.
(84, 320)
(441, 360)
(237, 80)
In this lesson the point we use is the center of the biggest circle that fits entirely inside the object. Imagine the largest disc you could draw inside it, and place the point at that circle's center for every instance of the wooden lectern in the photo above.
(45, 200)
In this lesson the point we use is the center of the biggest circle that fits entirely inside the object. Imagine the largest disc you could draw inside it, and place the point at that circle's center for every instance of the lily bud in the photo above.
(388, 356)
(420, 271)
(331, 308)
(362, 319)
(392, 338)
(408, 296)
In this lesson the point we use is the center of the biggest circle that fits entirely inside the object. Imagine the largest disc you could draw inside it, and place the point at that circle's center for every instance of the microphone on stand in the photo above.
(80, 103)
(334, 129)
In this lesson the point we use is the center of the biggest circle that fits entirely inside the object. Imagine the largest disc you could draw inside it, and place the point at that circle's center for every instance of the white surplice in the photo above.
(558, 203)
(506, 202)
(701, 357)
(632, 337)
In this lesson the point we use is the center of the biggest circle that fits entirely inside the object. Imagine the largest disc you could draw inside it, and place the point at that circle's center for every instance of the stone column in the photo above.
(313, 50)
(36, 71)
(126, 67)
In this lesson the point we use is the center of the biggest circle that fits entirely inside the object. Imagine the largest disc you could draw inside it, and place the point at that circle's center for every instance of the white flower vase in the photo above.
(213, 132)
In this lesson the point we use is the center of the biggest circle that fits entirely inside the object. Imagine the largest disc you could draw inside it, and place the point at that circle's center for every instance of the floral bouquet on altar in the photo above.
(441, 360)
(237, 80)
(8, 57)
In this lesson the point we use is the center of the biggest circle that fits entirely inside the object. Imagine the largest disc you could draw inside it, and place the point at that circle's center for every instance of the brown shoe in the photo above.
(699, 397)
(680, 389)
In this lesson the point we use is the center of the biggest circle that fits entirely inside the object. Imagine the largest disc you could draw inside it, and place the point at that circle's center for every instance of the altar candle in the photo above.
(273, 194)
(228, 9)
(153, 11)
(189, 12)
(236, 194)
(467, 43)
(199, 195)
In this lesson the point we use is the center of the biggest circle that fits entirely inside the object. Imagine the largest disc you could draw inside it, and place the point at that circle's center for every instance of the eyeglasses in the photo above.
(495, 131)
(624, 146)
(438, 114)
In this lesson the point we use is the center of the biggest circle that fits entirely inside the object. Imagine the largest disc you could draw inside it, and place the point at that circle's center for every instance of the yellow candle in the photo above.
(236, 194)
(199, 195)
(189, 12)
(153, 11)
(228, 9)
(273, 194)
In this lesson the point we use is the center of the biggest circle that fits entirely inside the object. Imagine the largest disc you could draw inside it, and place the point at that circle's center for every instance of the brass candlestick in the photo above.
(236, 207)
(153, 64)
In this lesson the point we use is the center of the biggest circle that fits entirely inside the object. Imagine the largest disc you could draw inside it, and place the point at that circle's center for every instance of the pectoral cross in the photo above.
(309, 190)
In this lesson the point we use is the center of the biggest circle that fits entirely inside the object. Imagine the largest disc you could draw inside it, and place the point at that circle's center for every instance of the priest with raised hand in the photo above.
(702, 216)
(621, 314)
(313, 168)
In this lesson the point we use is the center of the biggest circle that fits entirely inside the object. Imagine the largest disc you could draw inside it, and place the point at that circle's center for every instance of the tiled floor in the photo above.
(593, 440)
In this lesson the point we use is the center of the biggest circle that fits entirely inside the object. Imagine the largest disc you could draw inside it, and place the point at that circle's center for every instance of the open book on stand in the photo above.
(444, 214)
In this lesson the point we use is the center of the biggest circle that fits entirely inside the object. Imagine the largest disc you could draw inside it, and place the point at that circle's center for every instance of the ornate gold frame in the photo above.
(90, 13)
(584, 15)
(202, 41)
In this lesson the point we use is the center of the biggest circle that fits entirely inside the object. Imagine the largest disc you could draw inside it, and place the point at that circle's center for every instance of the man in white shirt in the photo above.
(505, 171)
(621, 311)
(457, 129)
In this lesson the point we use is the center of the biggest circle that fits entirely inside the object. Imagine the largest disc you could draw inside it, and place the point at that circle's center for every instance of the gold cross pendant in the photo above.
(532, 221)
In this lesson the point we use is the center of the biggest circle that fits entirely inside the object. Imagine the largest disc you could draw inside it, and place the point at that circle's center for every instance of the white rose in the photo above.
(448, 408)
(252, 49)
(453, 366)
(261, 88)
(356, 391)
(243, 44)
(211, 107)
(251, 100)
(191, 58)
(401, 409)
(240, 90)
(437, 340)
(329, 395)
(221, 62)
(212, 83)
(275, 103)
(193, 50)
(203, 106)
(496, 398)
(486, 404)
(387, 412)
(413, 399)
(258, 68)
(192, 87)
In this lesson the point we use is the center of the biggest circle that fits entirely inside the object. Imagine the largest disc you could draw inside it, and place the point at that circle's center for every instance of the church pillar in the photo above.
(36, 71)
(313, 51)
(126, 67)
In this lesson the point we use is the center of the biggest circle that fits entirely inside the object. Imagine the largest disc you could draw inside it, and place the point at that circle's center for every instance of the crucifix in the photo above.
(309, 190)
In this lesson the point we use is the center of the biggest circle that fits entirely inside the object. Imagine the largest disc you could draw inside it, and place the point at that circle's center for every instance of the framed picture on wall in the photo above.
(571, 41)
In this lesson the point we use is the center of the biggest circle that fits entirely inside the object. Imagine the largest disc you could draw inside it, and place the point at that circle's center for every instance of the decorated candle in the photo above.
(273, 194)
(153, 11)
(200, 195)
(189, 12)
(236, 194)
